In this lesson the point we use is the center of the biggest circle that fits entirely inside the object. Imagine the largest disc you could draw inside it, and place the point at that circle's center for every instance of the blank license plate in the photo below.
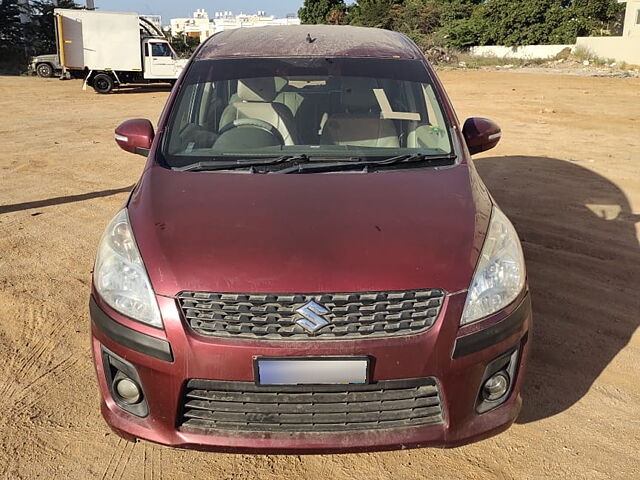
(312, 371)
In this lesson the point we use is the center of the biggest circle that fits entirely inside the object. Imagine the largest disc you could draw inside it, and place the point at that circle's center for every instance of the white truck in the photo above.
(114, 48)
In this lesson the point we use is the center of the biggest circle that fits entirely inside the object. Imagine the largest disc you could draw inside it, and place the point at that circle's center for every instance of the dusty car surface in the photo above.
(309, 262)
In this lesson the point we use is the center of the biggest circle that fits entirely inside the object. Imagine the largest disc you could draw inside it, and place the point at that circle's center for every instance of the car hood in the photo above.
(339, 232)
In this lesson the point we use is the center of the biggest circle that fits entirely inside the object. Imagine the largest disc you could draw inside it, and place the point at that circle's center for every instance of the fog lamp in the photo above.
(495, 387)
(128, 391)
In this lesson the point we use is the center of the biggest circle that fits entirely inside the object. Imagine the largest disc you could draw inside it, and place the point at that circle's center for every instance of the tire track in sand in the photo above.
(34, 366)
(29, 365)
(119, 460)
(152, 462)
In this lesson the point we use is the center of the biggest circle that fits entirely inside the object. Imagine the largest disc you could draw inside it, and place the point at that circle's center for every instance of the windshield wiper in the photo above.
(434, 160)
(303, 164)
(213, 165)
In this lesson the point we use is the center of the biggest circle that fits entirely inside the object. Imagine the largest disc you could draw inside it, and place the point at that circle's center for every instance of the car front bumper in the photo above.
(458, 358)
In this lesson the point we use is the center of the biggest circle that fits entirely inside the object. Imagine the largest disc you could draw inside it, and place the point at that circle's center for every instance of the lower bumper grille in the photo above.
(244, 406)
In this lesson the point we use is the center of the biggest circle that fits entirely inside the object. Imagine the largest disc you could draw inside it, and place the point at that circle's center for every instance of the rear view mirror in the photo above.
(481, 134)
(135, 136)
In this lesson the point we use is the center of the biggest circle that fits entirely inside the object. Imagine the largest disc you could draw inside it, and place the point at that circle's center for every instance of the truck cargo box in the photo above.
(98, 40)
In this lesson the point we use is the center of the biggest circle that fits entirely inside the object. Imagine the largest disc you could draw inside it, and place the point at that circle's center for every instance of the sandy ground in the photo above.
(567, 172)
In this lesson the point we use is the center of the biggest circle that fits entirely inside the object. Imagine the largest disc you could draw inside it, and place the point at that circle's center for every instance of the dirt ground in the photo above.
(567, 172)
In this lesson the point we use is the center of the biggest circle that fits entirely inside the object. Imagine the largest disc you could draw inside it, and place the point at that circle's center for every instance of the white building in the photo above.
(196, 26)
(625, 48)
(200, 25)
(631, 19)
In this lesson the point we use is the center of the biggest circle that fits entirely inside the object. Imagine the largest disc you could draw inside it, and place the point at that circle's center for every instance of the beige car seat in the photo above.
(360, 124)
(256, 100)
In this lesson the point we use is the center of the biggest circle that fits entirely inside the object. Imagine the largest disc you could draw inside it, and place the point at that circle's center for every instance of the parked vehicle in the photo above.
(310, 261)
(45, 65)
(114, 49)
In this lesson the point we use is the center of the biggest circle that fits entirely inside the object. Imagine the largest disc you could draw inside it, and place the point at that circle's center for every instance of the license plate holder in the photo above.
(312, 370)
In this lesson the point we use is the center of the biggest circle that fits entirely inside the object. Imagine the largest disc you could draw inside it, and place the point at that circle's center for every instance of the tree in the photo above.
(418, 19)
(337, 17)
(184, 45)
(460, 22)
(594, 17)
(374, 13)
(12, 53)
(527, 22)
(546, 21)
(318, 11)
(40, 33)
(465, 23)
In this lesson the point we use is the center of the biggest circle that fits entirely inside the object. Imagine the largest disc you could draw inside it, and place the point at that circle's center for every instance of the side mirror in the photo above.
(135, 136)
(481, 134)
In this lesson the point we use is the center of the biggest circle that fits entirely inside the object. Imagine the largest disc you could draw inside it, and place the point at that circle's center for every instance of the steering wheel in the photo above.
(253, 123)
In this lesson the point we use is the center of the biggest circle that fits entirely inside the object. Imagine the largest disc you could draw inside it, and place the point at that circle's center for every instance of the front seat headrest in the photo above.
(357, 94)
(261, 89)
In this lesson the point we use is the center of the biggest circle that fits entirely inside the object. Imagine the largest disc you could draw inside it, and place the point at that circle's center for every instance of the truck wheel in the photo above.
(103, 83)
(44, 70)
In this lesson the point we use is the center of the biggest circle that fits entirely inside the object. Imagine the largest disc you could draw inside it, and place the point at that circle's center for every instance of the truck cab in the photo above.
(160, 60)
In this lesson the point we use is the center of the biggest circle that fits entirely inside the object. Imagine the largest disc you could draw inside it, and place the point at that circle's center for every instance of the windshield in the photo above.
(319, 107)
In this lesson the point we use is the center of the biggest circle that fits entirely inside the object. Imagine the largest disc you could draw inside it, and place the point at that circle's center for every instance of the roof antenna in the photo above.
(309, 39)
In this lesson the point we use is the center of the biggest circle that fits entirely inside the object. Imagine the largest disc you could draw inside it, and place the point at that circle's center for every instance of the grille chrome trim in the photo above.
(210, 406)
(274, 316)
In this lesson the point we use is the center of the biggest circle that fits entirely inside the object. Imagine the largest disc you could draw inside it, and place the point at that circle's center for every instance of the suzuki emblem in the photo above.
(313, 316)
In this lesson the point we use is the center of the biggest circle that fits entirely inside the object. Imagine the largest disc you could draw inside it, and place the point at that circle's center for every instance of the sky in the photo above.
(185, 8)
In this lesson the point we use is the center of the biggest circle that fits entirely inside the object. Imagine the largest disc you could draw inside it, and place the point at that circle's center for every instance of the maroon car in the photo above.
(309, 262)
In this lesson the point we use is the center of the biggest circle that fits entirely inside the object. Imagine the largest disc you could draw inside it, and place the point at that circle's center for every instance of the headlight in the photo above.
(500, 273)
(119, 275)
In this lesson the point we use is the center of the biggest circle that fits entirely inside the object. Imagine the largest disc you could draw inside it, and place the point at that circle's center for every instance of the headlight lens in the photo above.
(500, 273)
(119, 275)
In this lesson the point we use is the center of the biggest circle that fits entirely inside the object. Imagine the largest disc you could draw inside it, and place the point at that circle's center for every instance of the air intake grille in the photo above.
(274, 316)
(244, 406)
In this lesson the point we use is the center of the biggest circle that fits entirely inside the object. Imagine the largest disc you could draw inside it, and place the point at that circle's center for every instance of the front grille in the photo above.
(244, 406)
(274, 316)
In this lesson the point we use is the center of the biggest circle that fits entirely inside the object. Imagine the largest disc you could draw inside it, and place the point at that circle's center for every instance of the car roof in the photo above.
(308, 41)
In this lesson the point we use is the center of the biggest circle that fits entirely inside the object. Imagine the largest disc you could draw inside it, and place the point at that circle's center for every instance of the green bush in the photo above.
(465, 23)
(320, 11)
(184, 45)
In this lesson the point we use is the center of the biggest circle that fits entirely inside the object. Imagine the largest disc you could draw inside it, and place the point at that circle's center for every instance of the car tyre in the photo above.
(103, 83)
(44, 70)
